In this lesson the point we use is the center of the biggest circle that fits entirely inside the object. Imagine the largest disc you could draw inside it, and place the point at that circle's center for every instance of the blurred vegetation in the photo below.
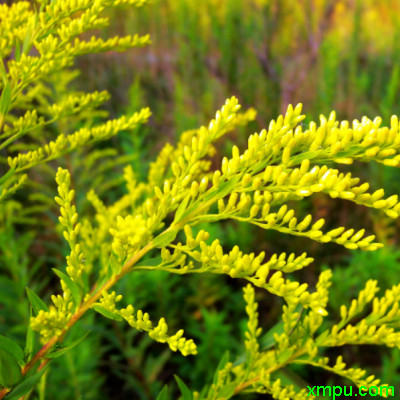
(328, 54)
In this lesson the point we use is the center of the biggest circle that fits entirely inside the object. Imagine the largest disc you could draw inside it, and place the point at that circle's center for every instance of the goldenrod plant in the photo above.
(152, 227)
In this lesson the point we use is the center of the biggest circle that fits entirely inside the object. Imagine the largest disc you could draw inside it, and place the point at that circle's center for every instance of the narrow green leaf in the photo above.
(5, 99)
(17, 54)
(36, 302)
(3, 72)
(30, 341)
(13, 348)
(224, 189)
(321, 338)
(108, 314)
(164, 239)
(68, 347)
(221, 365)
(25, 386)
(7, 175)
(227, 391)
(115, 266)
(186, 393)
(150, 262)
(267, 341)
(181, 209)
(10, 371)
(27, 44)
(72, 286)
(227, 187)
(284, 355)
(163, 395)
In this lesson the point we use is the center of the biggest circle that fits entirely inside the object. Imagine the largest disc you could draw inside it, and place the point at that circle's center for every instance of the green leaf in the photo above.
(227, 391)
(10, 371)
(25, 386)
(284, 355)
(68, 347)
(164, 239)
(3, 72)
(150, 262)
(163, 395)
(227, 187)
(72, 286)
(154, 365)
(267, 341)
(224, 189)
(30, 342)
(221, 365)
(5, 99)
(27, 44)
(181, 209)
(17, 54)
(115, 266)
(13, 348)
(36, 302)
(108, 314)
(186, 393)
(320, 339)
(8, 175)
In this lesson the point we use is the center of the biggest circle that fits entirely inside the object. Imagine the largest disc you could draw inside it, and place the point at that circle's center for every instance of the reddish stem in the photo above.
(78, 314)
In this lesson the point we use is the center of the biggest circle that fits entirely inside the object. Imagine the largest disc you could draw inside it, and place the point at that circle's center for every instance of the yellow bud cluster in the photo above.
(81, 47)
(290, 319)
(141, 322)
(355, 375)
(65, 144)
(68, 220)
(314, 317)
(50, 323)
(108, 301)
(13, 20)
(74, 104)
(363, 333)
(253, 331)
(358, 305)
(11, 186)
(185, 160)
(386, 308)
(279, 390)
(28, 122)
(159, 166)
(129, 235)
(176, 342)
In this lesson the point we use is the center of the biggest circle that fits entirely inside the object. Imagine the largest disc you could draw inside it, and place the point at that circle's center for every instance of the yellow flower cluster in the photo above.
(67, 143)
(52, 322)
(68, 220)
(54, 31)
(254, 186)
(141, 322)
(282, 163)
(129, 235)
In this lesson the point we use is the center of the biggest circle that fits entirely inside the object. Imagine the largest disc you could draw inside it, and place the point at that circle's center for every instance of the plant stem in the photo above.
(80, 312)
(250, 382)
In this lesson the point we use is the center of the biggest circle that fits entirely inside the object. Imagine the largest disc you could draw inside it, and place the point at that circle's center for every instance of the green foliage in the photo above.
(158, 224)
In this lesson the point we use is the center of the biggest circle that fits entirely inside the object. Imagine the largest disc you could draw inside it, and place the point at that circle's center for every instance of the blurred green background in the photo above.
(329, 55)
